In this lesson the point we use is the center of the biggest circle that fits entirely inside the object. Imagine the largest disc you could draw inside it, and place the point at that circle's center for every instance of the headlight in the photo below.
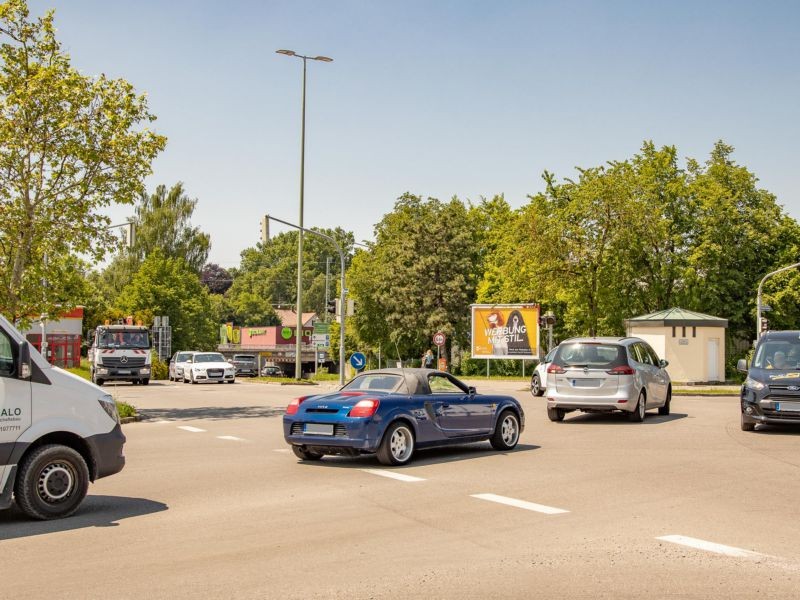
(102, 371)
(145, 371)
(753, 384)
(108, 405)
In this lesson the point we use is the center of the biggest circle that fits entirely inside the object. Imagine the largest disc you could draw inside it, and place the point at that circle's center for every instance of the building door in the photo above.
(713, 360)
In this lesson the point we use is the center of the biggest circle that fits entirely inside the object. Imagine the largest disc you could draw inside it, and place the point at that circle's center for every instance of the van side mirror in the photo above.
(741, 365)
(24, 370)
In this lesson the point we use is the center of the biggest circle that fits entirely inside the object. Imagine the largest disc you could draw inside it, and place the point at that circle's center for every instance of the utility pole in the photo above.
(327, 283)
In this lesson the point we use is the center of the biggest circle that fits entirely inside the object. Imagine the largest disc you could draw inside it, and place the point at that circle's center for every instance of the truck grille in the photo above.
(115, 362)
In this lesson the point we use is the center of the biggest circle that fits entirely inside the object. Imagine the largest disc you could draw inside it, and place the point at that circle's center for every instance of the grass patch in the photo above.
(82, 371)
(125, 410)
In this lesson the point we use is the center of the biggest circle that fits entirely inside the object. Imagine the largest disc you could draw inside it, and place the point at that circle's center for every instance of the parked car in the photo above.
(607, 374)
(393, 412)
(539, 377)
(771, 392)
(272, 371)
(208, 367)
(176, 365)
(245, 364)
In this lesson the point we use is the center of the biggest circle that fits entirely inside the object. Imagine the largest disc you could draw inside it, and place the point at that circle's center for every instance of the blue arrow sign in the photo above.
(358, 361)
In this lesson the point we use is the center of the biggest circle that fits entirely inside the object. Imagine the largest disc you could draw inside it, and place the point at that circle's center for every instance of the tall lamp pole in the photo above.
(758, 298)
(298, 364)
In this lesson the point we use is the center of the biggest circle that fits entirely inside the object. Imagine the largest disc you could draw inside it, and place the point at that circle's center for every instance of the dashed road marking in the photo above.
(231, 437)
(548, 510)
(709, 546)
(393, 475)
(190, 428)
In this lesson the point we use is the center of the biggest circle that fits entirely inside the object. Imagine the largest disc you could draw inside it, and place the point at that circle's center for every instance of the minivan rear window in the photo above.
(590, 354)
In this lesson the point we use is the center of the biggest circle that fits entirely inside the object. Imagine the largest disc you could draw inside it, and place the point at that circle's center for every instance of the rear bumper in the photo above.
(362, 435)
(623, 399)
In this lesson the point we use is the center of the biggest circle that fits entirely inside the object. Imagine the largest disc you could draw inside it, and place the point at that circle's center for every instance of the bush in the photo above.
(158, 369)
(125, 410)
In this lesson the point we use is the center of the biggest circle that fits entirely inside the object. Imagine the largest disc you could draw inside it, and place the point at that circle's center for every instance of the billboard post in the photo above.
(505, 331)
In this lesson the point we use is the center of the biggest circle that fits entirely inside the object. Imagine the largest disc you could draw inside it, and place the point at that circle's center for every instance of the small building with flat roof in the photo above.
(692, 342)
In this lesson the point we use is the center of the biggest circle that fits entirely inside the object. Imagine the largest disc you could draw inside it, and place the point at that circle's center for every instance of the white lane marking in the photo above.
(190, 428)
(709, 546)
(548, 510)
(230, 437)
(393, 475)
(281, 450)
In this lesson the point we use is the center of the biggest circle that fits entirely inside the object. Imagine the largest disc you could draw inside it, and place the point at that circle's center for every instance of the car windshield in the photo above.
(378, 382)
(209, 357)
(593, 355)
(182, 356)
(778, 354)
(123, 339)
(244, 358)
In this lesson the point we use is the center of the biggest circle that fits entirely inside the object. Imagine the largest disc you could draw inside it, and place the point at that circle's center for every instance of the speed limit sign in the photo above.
(438, 338)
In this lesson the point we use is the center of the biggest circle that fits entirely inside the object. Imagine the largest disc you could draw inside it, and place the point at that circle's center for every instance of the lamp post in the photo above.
(298, 365)
(758, 297)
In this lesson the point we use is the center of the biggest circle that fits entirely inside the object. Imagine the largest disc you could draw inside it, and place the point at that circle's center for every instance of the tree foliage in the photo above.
(69, 145)
(169, 286)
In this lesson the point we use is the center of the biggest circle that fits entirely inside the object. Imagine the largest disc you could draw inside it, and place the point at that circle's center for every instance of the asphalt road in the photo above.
(213, 505)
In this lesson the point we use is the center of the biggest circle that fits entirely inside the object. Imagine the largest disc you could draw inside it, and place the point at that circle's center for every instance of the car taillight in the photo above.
(294, 405)
(556, 369)
(621, 370)
(364, 408)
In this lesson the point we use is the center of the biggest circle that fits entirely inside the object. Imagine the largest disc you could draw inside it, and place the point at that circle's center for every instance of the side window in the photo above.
(653, 356)
(6, 356)
(633, 349)
(440, 384)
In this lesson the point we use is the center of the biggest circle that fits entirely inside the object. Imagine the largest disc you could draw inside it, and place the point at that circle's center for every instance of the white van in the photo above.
(58, 432)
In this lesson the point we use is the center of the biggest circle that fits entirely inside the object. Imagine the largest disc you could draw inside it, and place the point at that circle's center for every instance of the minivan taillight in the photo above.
(364, 408)
(556, 369)
(294, 405)
(621, 370)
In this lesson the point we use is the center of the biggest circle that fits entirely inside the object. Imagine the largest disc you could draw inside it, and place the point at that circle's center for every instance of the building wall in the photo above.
(687, 355)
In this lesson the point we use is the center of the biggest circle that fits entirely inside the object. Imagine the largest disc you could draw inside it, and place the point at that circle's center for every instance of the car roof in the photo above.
(602, 340)
(781, 335)
(415, 378)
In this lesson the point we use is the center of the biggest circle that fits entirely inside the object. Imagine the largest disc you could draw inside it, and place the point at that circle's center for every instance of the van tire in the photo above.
(145, 381)
(70, 482)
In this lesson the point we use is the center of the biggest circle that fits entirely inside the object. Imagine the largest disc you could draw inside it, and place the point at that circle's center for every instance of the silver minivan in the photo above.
(607, 374)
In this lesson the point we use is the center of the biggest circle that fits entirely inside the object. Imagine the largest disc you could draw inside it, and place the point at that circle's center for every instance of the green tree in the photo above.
(419, 277)
(69, 145)
(169, 286)
(162, 221)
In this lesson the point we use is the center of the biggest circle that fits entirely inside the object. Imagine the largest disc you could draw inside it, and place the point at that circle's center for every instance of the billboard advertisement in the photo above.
(505, 331)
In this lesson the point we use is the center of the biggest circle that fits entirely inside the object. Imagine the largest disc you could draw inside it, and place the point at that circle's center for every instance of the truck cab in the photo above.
(58, 432)
(120, 353)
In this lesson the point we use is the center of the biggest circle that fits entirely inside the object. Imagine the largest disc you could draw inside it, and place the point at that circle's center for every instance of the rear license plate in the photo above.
(585, 383)
(318, 429)
(788, 407)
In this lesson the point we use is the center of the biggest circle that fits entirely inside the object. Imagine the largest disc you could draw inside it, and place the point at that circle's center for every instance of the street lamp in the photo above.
(298, 363)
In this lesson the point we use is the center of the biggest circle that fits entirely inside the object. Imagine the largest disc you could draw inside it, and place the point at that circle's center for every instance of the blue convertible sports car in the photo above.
(392, 412)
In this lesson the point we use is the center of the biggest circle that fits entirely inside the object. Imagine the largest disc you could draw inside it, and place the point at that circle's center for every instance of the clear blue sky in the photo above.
(438, 98)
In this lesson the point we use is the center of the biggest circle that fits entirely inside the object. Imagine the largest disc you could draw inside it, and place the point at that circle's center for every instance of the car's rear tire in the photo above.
(638, 414)
(747, 425)
(536, 386)
(397, 446)
(305, 454)
(506, 432)
(52, 482)
(555, 414)
(664, 410)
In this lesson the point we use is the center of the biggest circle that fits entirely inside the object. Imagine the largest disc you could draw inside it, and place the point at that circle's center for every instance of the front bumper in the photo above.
(205, 378)
(247, 372)
(107, 453)
(765, 409)
(109, 374)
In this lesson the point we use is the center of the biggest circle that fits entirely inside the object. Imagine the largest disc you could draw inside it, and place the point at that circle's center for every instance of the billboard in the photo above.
(505, 331)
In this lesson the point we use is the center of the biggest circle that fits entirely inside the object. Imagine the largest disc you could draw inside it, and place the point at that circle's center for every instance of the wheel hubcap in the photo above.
(55, 482)
(641, 406)
(509, 430)
(400, 443)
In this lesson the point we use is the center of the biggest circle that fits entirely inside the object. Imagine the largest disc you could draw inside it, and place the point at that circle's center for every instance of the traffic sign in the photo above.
(358, 361)
(439, 338)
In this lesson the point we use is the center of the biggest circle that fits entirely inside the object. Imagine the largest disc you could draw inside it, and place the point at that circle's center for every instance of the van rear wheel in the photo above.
(52, 482)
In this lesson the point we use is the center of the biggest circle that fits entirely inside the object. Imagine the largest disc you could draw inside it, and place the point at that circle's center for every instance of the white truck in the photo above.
(58, 432)
(120, 353)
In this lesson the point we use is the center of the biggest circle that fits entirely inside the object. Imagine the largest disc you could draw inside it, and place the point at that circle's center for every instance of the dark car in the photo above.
(393, 412)
(272, 371)
(771, 392)
(245, 364)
